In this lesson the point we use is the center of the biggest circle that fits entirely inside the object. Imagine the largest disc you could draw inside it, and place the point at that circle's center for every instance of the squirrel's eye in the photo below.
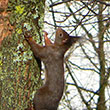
(61, 35)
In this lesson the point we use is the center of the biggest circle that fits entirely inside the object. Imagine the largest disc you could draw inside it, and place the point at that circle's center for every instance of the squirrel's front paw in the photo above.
(26, 36)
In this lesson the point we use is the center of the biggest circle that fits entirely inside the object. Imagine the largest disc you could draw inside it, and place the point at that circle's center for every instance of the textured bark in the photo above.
(18, 77)
(5, 27)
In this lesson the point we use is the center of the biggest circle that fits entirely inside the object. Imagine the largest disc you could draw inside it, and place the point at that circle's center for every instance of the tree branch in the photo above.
(79, 91)
(84, 89)
(55, 4)
(88, 69)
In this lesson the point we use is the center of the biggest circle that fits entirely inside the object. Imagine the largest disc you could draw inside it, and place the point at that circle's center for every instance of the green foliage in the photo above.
(19, 9)
(19, 72)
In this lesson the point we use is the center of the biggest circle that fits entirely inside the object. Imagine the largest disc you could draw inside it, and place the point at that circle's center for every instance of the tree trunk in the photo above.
(101, 56)
(19, 72)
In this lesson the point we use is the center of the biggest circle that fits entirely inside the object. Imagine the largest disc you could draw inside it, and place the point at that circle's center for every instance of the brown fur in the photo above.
(52, 55)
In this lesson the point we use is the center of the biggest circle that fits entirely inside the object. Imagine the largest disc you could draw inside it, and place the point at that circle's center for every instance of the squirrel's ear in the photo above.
(47, 40)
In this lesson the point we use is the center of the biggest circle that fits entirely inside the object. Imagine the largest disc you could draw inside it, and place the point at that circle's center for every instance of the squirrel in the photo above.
(52, 54)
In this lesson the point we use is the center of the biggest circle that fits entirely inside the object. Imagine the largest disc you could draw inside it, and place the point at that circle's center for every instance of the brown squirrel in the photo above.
(52, 55)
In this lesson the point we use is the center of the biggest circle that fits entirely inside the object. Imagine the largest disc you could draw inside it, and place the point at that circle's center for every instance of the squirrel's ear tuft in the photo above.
(75, 39)
(47, 40)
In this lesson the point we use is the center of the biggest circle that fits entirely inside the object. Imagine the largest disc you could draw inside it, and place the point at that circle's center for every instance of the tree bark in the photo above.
(19, 72)
(101, 56)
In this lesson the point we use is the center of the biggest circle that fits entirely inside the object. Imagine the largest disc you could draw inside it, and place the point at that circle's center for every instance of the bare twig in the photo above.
(89, 58)
(100, 1)
(55, 4)
(84, 89)
(88, 69)
(79, 91)
(53, 16)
